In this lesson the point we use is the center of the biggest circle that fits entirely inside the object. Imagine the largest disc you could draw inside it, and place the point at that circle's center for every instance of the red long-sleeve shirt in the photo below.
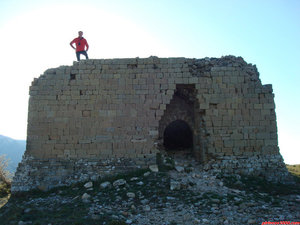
(80, 44)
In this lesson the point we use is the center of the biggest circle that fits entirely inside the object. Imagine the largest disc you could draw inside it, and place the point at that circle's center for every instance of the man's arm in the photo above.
(87, 46)
(71, 43)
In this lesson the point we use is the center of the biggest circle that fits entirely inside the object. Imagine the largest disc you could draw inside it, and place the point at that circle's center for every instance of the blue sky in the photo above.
(35, 36)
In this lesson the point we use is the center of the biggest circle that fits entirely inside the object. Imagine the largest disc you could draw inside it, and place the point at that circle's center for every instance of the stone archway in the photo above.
(178, 136)
(181, 116)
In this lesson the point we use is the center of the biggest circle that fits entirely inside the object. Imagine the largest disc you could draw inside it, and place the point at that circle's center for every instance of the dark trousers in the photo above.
(83, 53)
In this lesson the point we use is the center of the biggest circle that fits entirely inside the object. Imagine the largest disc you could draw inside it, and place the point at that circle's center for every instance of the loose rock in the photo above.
(147, 208)
(119, 182)
(179, 169)
(85, 197)
(105, 184)
(174, 185)
(251, 221)
(88, 184)
(153, 168)
(146, 174)
(130, 195)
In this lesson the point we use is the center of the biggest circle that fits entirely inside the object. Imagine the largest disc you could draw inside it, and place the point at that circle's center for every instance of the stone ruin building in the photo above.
(105, 116)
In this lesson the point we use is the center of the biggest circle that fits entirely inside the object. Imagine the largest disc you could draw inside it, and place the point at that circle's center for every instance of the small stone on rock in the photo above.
(105, 184)
(147, 208)
(88, 184)
(130, 195)
(205, 220)
(174, 185)
(251, 221)
(140, 183)
(236, 199)
(144, 201)
(215, 200)
(27, 210)
(85, 196)
(153, 168)
(146, 174)
(96, 217)
(119, 182)
(179, 169)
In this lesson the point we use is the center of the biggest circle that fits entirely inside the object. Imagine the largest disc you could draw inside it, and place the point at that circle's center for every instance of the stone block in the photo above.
(86, 113)
(269, 106)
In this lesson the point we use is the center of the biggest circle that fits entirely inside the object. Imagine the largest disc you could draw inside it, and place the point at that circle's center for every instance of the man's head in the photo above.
(80, 33)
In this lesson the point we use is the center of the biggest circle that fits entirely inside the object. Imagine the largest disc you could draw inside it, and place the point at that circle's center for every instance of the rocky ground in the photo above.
(178, 193)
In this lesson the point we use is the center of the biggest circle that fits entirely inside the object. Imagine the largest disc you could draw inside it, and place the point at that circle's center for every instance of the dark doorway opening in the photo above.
(178, 136)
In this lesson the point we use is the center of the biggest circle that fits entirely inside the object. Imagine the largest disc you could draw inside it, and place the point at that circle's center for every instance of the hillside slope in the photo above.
(13, 151)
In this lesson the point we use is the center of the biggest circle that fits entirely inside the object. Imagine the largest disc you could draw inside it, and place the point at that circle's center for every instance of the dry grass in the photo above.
(3, 201)
(294, 169)
(5, 182)
(4, 173)
(4, 194)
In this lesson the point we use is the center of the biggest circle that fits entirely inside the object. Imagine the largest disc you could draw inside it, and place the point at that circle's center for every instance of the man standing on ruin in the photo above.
(80, 43)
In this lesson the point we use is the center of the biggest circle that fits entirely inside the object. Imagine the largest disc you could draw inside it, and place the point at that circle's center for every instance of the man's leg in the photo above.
(85, 54)
(78, 56)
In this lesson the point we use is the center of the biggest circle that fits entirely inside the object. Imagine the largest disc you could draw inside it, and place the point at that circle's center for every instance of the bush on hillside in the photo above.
(4, 173)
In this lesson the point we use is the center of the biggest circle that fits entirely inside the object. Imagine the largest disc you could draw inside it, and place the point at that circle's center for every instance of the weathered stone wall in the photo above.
(104, 116)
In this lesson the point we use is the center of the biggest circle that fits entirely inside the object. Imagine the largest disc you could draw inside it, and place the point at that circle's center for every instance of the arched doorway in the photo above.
(181, 127)
(178, 136)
